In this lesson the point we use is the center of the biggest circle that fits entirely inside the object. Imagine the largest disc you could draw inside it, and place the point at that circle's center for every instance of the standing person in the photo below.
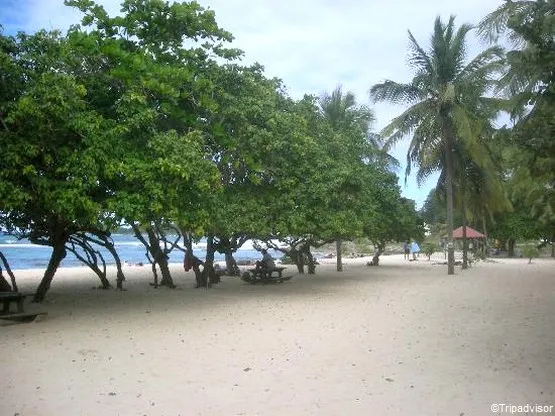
(415, 248)
(406, 250)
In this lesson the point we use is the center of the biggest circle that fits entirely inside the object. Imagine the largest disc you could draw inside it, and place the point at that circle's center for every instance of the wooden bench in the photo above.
(261, 275)
(262, 272)
(11, 297)
(8, 298)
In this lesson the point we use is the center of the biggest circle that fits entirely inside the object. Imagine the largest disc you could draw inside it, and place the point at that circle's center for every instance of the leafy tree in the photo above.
(345, 117)
(530, 83)
(443, 94)
(393, 218)
(55, 147)
(429, 249)
(162, 103)
(115, 126)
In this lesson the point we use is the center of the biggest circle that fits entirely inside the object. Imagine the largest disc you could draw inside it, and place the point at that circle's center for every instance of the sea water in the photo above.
(21, 254)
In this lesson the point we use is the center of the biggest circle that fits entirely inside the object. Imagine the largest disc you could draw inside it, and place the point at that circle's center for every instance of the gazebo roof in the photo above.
(470, 233)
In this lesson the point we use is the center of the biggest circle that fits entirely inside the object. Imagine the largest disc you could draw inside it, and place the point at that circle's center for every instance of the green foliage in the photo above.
(530, 252)
(145, 118)
(450, 112)
(528, 150)
(429, 249)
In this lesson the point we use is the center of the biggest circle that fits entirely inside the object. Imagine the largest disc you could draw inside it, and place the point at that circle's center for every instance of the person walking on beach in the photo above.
(415, 249)
(406, 250)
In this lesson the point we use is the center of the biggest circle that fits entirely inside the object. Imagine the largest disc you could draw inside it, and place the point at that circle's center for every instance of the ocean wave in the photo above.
(130, 243)
(17, 245)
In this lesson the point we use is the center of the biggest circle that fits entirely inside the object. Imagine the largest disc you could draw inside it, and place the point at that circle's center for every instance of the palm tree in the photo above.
(346, 117)
(528, 66)
(480, 191)
(447, 97)
(496, 23)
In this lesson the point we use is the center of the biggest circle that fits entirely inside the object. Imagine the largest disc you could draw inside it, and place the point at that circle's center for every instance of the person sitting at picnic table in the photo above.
(267, 261)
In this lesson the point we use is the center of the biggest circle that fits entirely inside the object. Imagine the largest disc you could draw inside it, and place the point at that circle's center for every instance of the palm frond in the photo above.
(395, 93)
(418, 58)
(487, 62)
(405, 123)
(495, 24)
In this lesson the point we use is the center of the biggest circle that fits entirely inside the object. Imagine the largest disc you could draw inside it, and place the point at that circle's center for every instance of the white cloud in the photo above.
(313, 45)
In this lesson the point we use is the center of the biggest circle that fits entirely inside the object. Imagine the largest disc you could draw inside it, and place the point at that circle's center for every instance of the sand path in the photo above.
(399, 339)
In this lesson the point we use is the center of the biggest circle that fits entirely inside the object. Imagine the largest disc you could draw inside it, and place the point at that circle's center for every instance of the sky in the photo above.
(312, 45)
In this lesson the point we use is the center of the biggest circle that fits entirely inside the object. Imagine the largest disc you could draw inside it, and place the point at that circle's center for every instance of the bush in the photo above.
(430, 248)
(530, 252)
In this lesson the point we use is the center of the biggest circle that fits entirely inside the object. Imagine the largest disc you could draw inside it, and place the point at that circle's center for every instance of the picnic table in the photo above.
(263, 275)
(7, 298)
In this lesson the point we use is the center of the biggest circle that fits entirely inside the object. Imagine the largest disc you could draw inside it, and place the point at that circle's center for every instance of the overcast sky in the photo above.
(312, 45)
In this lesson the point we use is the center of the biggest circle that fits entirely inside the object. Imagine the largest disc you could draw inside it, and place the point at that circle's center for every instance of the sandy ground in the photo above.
(399, 339)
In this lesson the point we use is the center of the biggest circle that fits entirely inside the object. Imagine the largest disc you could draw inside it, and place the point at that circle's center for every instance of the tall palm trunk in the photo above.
(465, 240)
(449, 168)
(465, 244)
(339, 258)
(485, 231)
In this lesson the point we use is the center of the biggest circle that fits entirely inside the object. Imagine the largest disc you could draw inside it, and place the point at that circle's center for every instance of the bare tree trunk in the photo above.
(465, 240)
(511, 248)
(158, 255)
(120, 277)
(209, 276)
(380, 248)
(192, 262)
(449, 170)
(231, 264)
(91, 260)
(9, 271)
(308, 259)
(338, 255)
(486, 235)
(58, 254)
(4, 285)
(298, 259)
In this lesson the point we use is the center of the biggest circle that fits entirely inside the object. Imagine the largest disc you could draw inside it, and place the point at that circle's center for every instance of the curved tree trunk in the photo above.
(297, 258)
(231, 264)
(209, 276)
(4, 285)
(339, 256)
(159, 257)
(308, 259)
(192, 262)
(9, 271)
(58, 254)
(92, 260)
(380, 248)
(120, 277)
(449, 170)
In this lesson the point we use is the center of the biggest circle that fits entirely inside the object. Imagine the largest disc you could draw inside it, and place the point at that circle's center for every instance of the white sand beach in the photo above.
(399, 339)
